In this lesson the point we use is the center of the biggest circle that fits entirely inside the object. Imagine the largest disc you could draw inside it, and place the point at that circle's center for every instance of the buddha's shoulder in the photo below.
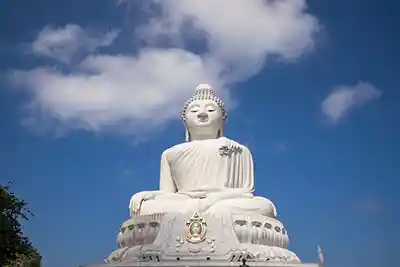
(192, 144)
(205, 143)
(176, 148)
(234, 143)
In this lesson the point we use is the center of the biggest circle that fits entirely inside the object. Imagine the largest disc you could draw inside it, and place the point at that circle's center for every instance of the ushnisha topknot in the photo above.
(204, 92)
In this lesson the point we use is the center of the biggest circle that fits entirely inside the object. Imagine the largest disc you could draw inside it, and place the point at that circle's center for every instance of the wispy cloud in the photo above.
(128, 173)
(343, 99)
(62, 43)
(281, 147)
(132, 93)
(368, 206)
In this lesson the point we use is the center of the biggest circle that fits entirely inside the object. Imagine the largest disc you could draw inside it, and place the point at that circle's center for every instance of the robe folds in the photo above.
(214, 175)
(198, 166)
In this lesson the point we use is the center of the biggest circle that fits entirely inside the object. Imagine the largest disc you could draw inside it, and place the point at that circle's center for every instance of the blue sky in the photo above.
(91, 93)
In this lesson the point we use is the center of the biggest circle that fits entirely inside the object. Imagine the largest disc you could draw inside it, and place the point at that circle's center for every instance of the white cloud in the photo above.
(240, 34)
(343, 99)
(131, 92)
(62, 43)
(148, 88)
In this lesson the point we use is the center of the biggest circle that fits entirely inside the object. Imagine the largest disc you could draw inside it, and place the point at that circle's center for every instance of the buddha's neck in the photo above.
(195, 137)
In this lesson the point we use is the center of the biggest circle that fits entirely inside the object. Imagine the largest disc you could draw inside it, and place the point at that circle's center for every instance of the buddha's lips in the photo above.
(202, 117)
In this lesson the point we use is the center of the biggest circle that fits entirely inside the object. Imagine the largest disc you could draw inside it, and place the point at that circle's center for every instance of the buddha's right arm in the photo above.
(167, 184)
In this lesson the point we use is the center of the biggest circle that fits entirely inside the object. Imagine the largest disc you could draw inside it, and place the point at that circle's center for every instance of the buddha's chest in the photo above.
(198, 158)
(198, 150)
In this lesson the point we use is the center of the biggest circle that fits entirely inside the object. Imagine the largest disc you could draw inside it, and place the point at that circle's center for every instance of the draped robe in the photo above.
(198, 166)
(195, 176)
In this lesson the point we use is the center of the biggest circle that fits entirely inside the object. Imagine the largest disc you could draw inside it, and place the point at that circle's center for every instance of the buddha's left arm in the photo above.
(243, 176)
(247, 170)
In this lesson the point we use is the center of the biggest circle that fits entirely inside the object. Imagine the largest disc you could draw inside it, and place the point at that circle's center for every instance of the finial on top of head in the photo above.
(203, 86)
(204, 92)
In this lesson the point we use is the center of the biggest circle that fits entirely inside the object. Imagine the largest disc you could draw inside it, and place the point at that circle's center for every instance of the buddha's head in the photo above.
(204, 114)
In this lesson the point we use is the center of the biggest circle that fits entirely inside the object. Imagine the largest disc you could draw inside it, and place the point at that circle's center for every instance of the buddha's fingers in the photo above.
(137, 207)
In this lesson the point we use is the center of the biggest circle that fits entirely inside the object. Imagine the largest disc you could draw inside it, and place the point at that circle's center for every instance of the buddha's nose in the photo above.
(202, 116)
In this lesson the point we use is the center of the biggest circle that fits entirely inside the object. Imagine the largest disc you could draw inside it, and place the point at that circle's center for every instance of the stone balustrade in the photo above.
(260, 230)
(143, 230)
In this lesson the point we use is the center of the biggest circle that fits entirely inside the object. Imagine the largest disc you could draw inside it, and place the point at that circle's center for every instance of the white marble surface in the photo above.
(199, 263)
(221, 243)
(196, 175)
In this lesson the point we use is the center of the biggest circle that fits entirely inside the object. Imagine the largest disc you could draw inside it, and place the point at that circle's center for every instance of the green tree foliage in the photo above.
(15, 249)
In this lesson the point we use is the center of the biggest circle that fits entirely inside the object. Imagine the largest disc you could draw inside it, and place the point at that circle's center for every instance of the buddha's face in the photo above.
(203, 117)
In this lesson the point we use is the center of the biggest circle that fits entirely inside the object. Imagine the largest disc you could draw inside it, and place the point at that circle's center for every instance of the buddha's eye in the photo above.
(211, 110)
(194, 110)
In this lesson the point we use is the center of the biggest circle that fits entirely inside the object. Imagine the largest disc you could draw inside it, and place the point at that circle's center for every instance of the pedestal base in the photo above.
(198, 240)
(206, 263)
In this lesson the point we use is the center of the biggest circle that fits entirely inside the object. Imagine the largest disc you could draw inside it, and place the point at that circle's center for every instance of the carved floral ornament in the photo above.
(196, 229)
(228, 151)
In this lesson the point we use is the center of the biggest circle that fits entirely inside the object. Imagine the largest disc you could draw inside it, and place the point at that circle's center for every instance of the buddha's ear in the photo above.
(221, 131)
(187, 135)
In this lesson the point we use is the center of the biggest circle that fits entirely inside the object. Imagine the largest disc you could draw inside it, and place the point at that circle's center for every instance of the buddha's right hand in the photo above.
(137, 199)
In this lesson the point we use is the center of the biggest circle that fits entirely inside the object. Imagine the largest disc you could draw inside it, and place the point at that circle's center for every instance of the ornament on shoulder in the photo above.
(228, 151)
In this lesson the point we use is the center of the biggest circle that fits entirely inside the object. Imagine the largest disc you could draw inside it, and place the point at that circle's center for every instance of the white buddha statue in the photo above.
(209, 173)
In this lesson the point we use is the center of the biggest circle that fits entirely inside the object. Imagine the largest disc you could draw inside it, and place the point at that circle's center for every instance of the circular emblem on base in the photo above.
(196, 229)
